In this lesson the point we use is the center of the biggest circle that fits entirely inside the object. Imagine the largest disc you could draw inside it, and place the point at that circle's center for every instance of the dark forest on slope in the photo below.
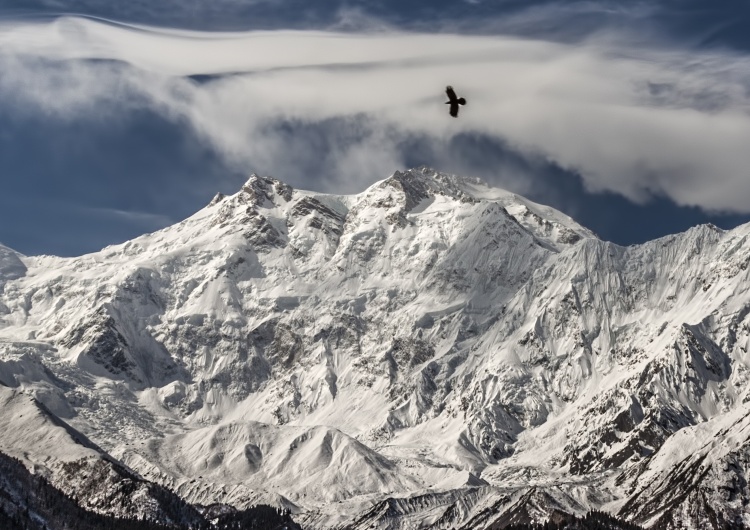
(30, 502)
(594, 520)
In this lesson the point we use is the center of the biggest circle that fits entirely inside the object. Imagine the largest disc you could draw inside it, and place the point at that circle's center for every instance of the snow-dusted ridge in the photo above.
(429, 351)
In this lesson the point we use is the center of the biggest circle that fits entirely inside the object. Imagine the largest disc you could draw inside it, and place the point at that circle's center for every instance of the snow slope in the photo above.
(431, 350)
(73, 464)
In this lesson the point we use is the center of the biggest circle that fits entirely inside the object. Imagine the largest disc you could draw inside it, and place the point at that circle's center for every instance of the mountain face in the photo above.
(429, 352)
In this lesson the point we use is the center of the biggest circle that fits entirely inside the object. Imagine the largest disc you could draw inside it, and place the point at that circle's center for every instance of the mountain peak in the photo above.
(399, 197)
(257, 190)
(546, 223)
(423, 182)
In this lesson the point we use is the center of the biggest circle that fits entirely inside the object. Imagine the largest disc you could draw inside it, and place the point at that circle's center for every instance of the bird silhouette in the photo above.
(453, 101)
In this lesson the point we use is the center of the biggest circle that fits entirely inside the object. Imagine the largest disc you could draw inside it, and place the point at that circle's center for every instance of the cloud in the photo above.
(334, 111)
(149, 220)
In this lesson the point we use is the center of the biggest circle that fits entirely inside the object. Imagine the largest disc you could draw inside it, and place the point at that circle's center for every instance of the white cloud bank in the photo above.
(636, 120)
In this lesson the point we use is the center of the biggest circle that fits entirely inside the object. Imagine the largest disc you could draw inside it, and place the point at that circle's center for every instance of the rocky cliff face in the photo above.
(431, 349)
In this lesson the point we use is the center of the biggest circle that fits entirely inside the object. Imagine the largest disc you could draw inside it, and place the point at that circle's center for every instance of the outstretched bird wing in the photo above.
(451, 96)
(454, 109)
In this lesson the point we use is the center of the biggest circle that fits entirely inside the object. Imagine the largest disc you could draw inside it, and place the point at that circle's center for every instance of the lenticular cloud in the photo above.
(635, 120)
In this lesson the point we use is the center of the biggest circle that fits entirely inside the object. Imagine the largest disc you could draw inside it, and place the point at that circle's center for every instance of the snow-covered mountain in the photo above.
(431, 351)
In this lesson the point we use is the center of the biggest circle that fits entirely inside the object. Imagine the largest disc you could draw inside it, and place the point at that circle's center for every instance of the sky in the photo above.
(119, 118)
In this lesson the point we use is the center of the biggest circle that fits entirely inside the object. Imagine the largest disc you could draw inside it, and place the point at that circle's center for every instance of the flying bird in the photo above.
(453, 101)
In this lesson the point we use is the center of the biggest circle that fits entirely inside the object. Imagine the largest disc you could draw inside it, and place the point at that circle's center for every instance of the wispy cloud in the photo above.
(635, 119)
(150, 221)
